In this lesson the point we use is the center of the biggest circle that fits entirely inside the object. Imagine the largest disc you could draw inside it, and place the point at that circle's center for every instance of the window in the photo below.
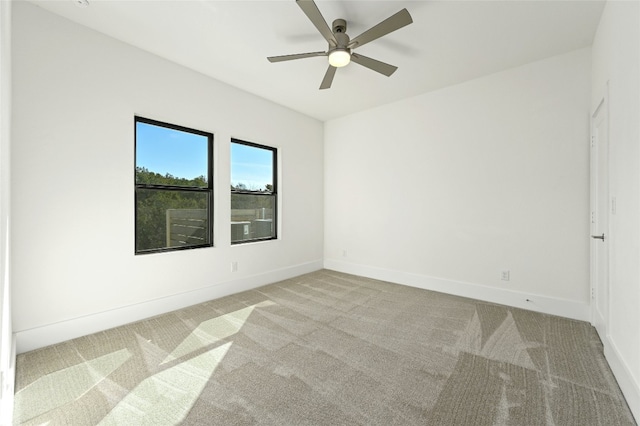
(253, 192)
(173, 185)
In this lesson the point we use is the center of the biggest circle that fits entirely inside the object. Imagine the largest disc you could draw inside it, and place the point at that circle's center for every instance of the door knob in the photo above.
(598, 237)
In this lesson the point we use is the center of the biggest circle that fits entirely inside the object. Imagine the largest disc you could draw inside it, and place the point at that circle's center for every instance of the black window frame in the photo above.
(273, 193)
(208, 190)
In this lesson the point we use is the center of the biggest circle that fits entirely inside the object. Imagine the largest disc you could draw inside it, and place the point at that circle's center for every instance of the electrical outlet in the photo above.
(505, 276)
(234, 266)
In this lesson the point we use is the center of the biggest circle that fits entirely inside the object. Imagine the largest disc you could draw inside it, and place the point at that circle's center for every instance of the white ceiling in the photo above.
(449, 42)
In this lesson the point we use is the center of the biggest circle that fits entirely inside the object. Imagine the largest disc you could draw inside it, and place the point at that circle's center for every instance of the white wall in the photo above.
(75, 95)
(7, 353)
(616, 60)
(447, 189)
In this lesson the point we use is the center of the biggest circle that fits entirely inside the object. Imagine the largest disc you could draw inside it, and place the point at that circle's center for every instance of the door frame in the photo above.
(603, 106)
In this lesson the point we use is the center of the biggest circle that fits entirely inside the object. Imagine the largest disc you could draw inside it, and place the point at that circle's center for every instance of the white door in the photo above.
(600, 218)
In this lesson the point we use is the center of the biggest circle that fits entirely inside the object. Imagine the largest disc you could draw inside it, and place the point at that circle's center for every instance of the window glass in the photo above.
(253, 192)
(173, 206)
(254, 214)
(251, 168)
(169, 156)
(168, 218)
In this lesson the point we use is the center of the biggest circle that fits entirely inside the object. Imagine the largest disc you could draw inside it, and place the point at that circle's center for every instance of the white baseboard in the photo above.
(533, 302)
(597, 318)
(629, 385)
(38, 337)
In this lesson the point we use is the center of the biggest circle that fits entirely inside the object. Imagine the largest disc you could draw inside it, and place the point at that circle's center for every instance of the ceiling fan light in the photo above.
(339, 58)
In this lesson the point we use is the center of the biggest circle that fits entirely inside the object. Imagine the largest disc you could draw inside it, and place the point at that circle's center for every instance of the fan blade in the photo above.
(313, 13)
(296, 56)
(328, 77)
(373, 64)
(385, 27)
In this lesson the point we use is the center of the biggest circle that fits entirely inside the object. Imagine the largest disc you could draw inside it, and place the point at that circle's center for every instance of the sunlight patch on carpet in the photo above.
(167, 397)
(502, 342)
(214, 330)
(61, 387)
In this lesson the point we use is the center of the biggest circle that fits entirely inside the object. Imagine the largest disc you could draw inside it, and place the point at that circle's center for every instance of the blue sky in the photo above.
(164, 150)
(182, 154)
(251, 166)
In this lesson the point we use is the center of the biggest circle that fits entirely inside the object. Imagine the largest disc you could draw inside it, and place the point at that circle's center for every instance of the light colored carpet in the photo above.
(327, 348)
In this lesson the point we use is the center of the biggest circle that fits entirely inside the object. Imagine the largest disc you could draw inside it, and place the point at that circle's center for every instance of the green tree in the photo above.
(152, 204)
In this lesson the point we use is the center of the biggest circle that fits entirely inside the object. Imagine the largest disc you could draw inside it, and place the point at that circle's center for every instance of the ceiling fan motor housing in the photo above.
(343, 42)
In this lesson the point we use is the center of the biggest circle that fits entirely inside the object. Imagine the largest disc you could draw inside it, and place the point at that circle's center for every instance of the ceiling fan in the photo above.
(340, 51)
